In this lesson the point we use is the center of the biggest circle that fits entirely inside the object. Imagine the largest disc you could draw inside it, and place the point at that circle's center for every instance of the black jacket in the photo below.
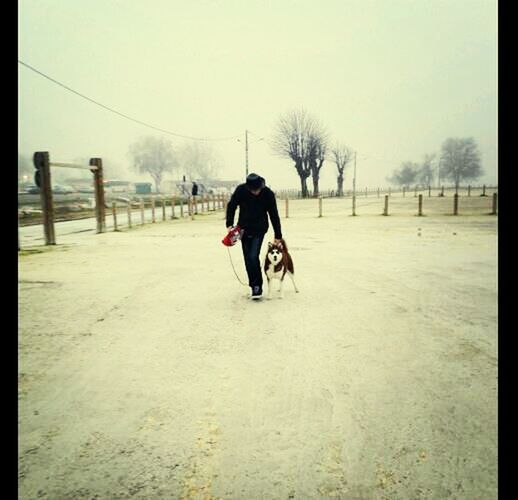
(253, 211)
(194, 191)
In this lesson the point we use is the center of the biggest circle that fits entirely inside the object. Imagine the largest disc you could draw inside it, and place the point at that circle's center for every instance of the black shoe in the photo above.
(257, 292)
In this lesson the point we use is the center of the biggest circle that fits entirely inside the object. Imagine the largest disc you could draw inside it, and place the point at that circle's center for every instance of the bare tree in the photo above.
(405, 175)
(317, 155)
(460, 160)
(153, 155)
(199, 161)
(342, 155)
(425, 174)
(301, 138)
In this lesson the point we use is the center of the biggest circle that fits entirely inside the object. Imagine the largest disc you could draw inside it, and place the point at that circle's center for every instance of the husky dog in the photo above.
(278, 263)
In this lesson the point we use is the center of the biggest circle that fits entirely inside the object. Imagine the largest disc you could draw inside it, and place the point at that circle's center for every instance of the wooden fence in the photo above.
(378, 192)
(454, 207)
(42, 177)
(189, 207)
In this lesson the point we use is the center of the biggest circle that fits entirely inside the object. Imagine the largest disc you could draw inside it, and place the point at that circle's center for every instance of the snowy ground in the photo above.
(146, 372)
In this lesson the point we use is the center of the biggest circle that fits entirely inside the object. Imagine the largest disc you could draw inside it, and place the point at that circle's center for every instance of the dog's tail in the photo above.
(284, 244)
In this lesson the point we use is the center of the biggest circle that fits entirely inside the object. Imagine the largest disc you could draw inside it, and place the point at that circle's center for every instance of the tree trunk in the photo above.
(315, 185)
(303, 186)
(158, 180)
(340, 185)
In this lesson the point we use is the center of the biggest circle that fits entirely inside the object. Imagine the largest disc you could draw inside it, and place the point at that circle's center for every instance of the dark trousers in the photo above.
(251, 246)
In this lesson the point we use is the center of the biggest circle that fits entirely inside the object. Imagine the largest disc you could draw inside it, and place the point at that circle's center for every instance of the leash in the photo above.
(233, 268)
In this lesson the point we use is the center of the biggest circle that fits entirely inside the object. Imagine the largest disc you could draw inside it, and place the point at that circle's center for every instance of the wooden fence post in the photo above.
(403, 191)
(483, 190)
(385, 209)
(320, 206)
(378, 192)
(429, 191)
(153, 209)
(354, 204)
(173, 203)
(42, 179)
(455, 204)
(287, 208)
(114, 212)
(420, 209)
(495, 201)
(469, 190)
(213, 203)
(99, 193)
(142, 218)
(163, 209)
(442, 191)
(181, 208)
(129, 214)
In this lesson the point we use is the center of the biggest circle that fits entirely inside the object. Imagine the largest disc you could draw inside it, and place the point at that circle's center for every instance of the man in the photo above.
(255, 201)
(194, 193)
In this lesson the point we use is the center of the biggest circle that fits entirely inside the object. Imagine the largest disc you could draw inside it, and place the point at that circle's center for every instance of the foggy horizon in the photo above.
(391, 80)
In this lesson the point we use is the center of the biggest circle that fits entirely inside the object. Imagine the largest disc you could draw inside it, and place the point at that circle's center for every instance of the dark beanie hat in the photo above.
(254, 181)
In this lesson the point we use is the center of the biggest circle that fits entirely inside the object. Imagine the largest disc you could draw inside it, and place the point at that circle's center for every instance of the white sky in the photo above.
(390, 78)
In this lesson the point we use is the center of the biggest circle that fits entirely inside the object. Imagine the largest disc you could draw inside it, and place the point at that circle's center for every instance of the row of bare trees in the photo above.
(156, 156)
(153, 155)
(303, 139)
(458, 161)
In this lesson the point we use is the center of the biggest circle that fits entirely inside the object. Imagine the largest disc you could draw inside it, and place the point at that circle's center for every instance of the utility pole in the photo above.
(246, 151)
(354, 186)
(354, 177)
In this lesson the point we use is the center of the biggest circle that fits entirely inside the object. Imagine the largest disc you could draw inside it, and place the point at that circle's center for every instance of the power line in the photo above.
(122, 114)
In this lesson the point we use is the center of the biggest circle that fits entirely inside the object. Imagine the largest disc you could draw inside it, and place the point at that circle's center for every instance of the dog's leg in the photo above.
(269, 288)
(293, 281)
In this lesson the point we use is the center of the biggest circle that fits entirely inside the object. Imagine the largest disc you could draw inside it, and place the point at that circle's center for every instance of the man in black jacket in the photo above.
(194, 193)
(255, 201)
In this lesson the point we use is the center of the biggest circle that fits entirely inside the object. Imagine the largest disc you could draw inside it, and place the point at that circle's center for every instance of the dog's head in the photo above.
(274, 254)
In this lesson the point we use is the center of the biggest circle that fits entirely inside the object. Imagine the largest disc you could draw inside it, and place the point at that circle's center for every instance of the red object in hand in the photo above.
(233, 236)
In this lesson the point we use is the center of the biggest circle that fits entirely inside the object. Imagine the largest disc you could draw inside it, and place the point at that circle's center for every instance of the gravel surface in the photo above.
(146, 372)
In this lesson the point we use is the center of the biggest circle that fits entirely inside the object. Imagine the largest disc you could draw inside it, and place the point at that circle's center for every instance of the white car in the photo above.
(59, 189)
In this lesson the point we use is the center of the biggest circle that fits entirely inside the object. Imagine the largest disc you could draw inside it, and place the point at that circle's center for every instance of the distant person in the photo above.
(256, 202)
(194, 193)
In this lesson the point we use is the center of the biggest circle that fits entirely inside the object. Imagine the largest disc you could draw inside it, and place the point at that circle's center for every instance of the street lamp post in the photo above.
(354, 185)
(246, 151)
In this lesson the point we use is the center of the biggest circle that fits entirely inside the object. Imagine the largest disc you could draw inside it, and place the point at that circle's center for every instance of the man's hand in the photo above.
(229, 228)
(277, 242)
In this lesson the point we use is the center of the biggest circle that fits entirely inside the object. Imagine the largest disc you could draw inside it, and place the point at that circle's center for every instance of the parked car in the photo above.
(32, 189)
(59, 189)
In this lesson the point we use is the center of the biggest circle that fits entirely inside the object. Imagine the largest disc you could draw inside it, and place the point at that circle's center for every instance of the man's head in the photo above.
(254, 183)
